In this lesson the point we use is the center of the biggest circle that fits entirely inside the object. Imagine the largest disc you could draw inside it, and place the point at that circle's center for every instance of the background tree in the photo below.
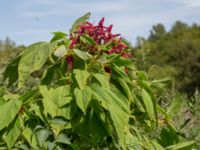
(8, 50)
(175, 53)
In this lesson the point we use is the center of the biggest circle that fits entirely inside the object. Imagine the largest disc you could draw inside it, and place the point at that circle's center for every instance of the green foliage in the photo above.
(7, 118)
(8, 51)
(11, 71)
(84, 100)
(148, 104)
(33, 58)
(79, 21)
(174, 53)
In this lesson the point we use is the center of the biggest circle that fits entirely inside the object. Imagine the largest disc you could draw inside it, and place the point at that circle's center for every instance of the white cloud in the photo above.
(189, 3)
(193, 3)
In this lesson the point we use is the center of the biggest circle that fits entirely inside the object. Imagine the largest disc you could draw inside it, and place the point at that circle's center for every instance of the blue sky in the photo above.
(28, 21)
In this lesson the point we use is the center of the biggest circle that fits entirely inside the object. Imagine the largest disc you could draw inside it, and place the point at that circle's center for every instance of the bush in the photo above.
(83, 91)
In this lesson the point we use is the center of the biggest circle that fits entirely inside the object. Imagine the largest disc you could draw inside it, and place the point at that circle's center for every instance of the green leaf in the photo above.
(36, 108)
(79, 21)
(160, 83)
(57, 36)
(13, 132)
(58, 124)
(106, 46)
(132, 142)
(54, 99)
(8, 111)
(112, 57)
(145, 85)
(117, 108)
(61, 51)
(28, 95)
(108, 98)
(83, 97)
(148, 104)
(81, 77)
(62, 138)
(33, 59)
(118, 93)
(75, 147)
(41, 135)
(175, 106)
(142, 75)
(119, 71)
(81, 54)
(51, 145)
(168, 137)
(2, 101)
(48, 74)
(96, 125)
(126, 88)
(102, 58)
(30, 136)
(157, 145)
(85, 38)
(181, 146)
(103, 80)
(11, 71)
(22, 147)
(122, 61)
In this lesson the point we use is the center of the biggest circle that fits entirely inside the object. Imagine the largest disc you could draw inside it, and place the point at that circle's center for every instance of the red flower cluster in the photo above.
(101, 35)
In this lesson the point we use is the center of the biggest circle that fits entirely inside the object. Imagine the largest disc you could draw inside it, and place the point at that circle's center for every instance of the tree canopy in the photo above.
(174, 53)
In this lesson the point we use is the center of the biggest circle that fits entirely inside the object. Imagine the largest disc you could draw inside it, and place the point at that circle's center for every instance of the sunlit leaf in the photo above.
(81, 77)
(33, 59)
(13, 132)
(60, 51)
(117, 109)
(8, 112)
(148, 104)
(83, 97)
(103, 80)
(181, 146)
(79, 21)
(81, 54)
(87, 40)
(58, 36)
(54, 99)
(41, 135)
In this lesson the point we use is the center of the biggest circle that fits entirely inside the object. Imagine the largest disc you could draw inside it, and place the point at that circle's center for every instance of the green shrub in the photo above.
(82, 91)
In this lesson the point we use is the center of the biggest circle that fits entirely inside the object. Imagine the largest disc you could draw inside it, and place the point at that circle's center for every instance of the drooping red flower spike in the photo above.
(101, 22)
(108, 70)
(70, 60)
(109, 29)
(126, 70)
